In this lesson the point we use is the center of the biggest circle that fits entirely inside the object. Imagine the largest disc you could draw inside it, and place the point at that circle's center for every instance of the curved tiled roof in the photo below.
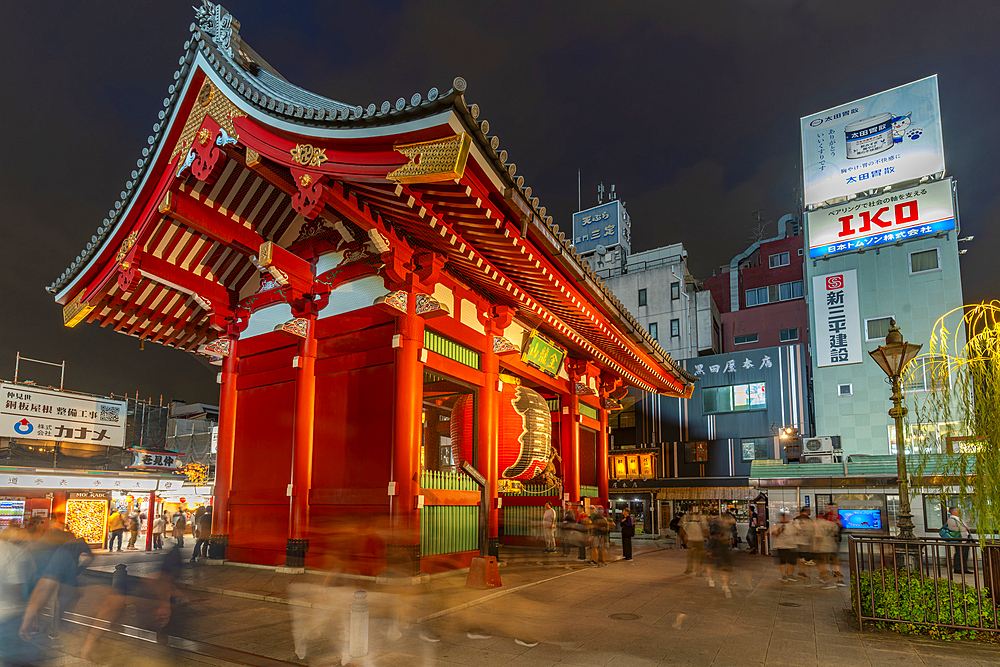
(252, 78)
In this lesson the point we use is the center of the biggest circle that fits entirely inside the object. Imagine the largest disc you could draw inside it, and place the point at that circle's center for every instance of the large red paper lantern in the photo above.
(525, 432)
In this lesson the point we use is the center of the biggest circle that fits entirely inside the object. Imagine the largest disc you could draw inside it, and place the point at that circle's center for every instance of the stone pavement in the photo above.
(567, 609)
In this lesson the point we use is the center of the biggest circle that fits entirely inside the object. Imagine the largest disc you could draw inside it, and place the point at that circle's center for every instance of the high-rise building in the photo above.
(760, 294)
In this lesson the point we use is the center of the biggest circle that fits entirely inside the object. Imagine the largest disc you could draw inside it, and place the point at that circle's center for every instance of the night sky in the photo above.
(690, 109)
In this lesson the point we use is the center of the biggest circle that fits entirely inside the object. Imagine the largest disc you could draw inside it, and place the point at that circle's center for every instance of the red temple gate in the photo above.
(356, 272)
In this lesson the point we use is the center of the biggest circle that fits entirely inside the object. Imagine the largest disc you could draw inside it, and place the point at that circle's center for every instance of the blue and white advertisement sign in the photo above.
(884, 139)
(891, 217)
(605, 225)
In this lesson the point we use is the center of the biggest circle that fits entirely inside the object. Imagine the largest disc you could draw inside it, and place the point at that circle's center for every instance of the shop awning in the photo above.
(709, 492)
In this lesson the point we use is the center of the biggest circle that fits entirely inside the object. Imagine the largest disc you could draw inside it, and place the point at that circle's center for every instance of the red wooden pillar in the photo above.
(569, 442)
(488, 417)
(403, 553)
(225, 446)
(302, 446)
(602, 460)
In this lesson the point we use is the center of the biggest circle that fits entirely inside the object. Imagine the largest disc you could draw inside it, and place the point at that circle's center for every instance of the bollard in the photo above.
(359, 625)
(119, 579)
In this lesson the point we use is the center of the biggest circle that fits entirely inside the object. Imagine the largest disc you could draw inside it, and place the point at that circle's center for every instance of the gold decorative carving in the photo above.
(166, 204)
(205, 95)
(218, 106)
(305, 180)
(76, 311)
(126, 246)
(265, 255)
(433, 161)
(204, 136)
(308, 155)
(253, 157)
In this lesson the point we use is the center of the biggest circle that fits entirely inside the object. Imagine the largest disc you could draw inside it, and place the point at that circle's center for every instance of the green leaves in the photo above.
(923, 605)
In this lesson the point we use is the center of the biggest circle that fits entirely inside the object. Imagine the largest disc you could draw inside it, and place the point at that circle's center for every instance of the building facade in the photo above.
(760, 294)
(671, 305)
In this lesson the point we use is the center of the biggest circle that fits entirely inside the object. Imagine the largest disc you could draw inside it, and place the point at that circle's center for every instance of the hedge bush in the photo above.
(905, 597)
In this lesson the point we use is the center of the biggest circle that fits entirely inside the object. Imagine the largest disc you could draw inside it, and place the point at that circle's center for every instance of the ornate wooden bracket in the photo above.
(433, 161)
(76, 310)
(312, 193)
(503, 346)
(208, 156)
(297, 327)
(424, 305)
(576, 369)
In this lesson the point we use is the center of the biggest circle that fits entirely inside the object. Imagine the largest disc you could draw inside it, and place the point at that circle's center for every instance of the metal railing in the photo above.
(446, 480)
(914, 583)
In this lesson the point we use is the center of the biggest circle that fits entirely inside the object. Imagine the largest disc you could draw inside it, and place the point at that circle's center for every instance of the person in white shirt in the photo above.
(786, 534)
(159, 527)
(804, 541)
(695, 528)
(957, 526)
(549, 528)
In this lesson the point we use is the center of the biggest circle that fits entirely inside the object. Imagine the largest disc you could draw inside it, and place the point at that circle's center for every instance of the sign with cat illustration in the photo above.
(886, 139)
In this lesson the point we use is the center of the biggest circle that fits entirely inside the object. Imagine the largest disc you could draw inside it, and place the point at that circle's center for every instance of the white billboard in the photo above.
(836, 320)
(47, 414)
(891, 217)
(881, 140)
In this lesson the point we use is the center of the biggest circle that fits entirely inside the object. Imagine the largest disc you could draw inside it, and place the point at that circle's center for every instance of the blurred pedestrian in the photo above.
(959, 531)
(752, 531)
(116, 528)
(582, 532)
(601, 536)
(549, 528)
(833, 516)
(159, 527)
(675, 525)
(204, 528)
(568, 529)
(720, 530)
(824, 545)
(734, 531)
(628, 530)
(180, 524)
(16, 573)
(786, 544)
(805, 532)
(133, 529)
(695, 529)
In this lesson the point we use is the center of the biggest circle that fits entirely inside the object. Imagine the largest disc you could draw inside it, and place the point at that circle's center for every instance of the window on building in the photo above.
(877, 328)
(675, 328)
(642, 297)
(925, 373)
(781, 259)
(755, 448)
(733, 398)
(745, 338)
(924, 260)
(845, 389)
(774, 293)
(675, 290)
(786, 335)
(800, 252)
(654, 331)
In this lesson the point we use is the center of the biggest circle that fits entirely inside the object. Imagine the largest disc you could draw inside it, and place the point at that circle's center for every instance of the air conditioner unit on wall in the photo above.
(823, 445)
(818, 458)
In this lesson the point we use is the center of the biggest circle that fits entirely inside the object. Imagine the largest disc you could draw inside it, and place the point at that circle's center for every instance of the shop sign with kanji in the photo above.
(157, 460)
(48, 414)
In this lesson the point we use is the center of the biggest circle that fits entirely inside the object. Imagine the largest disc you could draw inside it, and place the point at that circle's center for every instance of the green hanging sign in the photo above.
(543, 353)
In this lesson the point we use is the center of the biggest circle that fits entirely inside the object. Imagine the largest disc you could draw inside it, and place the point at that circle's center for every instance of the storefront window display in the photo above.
(87, 518)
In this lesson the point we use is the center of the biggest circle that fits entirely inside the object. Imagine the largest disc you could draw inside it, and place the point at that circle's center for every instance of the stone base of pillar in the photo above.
(295, 553)
(494, 547)
(402, 560)
(217, 546)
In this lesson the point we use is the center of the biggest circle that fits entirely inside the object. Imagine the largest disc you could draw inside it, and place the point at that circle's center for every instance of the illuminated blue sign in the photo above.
(605, 225)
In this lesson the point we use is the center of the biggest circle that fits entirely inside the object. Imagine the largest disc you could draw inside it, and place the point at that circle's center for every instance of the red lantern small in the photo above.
(182, 499)
(524, 441)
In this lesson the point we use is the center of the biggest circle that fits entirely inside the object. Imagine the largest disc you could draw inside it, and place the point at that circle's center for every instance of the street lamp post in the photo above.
(893, 358)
